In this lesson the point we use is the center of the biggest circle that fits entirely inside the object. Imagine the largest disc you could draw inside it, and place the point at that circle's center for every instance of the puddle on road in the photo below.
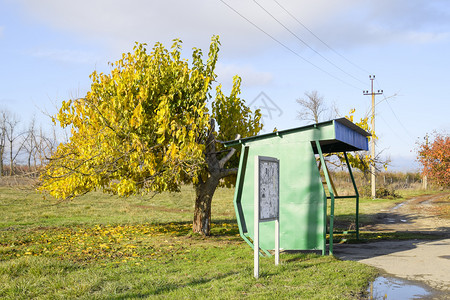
(398, 206)
(394, 288)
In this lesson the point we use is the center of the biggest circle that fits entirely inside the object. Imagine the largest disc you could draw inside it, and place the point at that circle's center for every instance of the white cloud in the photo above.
(250, 76)
(385, 22)
(426, 37)
(345, 23)
(121, 23)
(403, 163)
(66, 55)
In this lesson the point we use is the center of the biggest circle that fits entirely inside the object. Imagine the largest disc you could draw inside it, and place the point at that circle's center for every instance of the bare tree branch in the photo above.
(226, 158)
(313, 107)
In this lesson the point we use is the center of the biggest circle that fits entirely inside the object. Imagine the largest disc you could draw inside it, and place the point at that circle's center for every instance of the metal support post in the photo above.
(330, 190)
(356, 195)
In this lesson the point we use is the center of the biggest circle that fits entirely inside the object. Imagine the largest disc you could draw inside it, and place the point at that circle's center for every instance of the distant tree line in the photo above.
(24, 147)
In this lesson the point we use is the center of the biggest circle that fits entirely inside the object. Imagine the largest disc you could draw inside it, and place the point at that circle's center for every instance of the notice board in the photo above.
(269, 188)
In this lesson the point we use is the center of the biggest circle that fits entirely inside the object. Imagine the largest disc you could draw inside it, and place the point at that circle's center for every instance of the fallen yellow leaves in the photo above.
(116, 243)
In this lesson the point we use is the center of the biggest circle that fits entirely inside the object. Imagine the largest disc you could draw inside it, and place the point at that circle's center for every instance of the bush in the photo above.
(386, 193)
(381, 192)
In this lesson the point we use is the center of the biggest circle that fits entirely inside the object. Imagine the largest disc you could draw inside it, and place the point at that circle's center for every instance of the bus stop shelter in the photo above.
(303, 218)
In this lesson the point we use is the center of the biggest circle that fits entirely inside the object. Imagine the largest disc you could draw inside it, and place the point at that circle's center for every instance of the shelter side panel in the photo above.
(301, 196)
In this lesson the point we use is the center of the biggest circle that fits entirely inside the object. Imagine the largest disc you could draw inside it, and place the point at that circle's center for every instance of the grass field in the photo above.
(105, 247)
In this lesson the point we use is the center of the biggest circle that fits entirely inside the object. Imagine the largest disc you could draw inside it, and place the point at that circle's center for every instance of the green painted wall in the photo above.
(302, 197)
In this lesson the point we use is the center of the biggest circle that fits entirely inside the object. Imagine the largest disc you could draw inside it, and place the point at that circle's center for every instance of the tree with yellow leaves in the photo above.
(361, 160)
(146, 127)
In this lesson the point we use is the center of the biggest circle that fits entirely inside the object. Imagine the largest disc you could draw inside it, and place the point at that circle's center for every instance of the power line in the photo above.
(395, 115)
(323, 42)
(401, 137)
(286, 47)
(306, 44)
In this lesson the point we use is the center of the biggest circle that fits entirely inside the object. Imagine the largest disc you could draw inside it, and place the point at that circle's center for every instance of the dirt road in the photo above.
(426, 261)
(422, 214)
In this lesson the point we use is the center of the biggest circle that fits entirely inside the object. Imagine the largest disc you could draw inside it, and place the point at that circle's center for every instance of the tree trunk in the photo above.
(202, 211)
(11, 161)
(2, 151)
(29, 163)
(205, 189)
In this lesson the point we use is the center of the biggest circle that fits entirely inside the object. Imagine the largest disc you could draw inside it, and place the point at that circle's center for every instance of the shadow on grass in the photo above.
(302, 255)
(225, 227)
(167, 288)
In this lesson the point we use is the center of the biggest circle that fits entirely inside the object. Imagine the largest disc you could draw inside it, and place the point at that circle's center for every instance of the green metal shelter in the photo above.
(302, 196)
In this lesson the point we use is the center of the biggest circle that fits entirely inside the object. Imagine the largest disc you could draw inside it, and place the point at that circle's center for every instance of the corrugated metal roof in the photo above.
(351, 125)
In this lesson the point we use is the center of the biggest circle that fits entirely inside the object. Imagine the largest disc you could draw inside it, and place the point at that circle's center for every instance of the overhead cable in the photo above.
(306, 44)
(286, 47)
(322, 41)
(395, 115)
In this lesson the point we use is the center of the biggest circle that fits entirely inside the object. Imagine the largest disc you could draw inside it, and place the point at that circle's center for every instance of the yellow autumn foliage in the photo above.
(143, 126)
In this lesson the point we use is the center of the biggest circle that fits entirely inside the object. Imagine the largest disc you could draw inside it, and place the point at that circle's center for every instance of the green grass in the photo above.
(24, 207)
(369, 208)
(410, 193)
(104, 247)
(344, 211)
(207, 273)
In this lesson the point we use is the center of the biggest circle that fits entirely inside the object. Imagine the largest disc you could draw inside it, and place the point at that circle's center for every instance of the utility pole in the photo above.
(372, 167)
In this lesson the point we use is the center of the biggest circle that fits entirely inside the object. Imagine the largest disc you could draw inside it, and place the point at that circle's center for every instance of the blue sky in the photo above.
(48, 48)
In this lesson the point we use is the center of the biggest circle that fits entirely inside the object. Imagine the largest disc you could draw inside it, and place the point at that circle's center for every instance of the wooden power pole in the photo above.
(372, 150)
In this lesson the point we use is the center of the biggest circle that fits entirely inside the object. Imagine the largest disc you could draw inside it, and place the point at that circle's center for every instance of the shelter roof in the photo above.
(347, 136)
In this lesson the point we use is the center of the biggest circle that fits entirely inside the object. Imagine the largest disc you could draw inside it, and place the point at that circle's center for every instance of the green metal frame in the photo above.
(332, 197)
(330, 190)
(356, 195)
(237, 195)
